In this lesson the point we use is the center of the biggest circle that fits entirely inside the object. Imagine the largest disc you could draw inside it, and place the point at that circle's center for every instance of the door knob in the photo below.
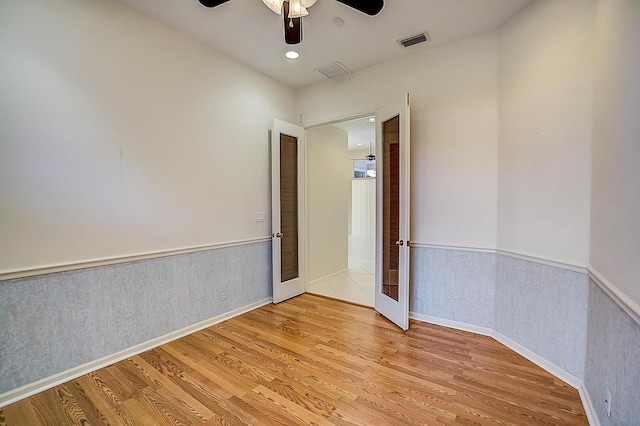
(400, 243)
(279, 235)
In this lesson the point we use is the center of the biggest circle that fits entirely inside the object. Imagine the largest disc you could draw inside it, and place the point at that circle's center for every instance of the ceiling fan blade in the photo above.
(370, 7)
(212, 3)
(292, 26)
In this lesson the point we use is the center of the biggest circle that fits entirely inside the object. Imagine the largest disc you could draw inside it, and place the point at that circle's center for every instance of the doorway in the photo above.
(341, 227)
(327, 217)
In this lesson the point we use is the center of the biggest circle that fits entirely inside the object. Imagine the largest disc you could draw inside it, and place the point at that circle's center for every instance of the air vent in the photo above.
(334, 70)
(415, 39)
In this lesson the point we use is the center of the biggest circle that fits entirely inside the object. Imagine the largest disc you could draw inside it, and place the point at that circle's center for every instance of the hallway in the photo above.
(355, 285)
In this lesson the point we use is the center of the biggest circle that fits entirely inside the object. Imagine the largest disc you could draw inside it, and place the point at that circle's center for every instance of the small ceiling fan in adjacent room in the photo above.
(368, 158)
(294, 10)
(364, 167)
(371, 156)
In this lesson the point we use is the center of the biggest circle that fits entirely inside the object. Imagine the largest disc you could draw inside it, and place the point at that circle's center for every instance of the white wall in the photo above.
(363, 214)
(362, 238)
(361, 154)
(545, 94)
(613, 338)
(615, 229)
(453, 133)
(328, 193)
(120, 135)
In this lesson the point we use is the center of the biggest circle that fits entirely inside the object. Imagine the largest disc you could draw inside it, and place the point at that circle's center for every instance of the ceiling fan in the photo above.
(369, 157)
(294, 10)
(364, 167)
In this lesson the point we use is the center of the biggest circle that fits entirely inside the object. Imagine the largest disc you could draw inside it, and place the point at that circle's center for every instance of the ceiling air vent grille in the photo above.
(414, 39)
(334, 70)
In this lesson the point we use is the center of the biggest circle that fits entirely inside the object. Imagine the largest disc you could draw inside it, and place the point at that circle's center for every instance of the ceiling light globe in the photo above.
(296, 10)
(275, 5)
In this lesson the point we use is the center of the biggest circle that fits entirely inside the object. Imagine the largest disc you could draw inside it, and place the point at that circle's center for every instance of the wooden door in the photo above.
(392, 211)
(287, 204)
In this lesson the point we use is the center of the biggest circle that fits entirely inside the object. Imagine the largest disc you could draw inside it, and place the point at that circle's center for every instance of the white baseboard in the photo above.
(485, 331)
(541, 362)
(65, 376)
(511, 344)
(592, 416)
(327, 276)
(75, 372)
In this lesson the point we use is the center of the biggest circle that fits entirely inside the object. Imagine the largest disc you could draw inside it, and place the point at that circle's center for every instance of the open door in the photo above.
(392, 212)
(287, 206)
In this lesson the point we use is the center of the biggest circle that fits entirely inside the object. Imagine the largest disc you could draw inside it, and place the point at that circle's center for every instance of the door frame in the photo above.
(322, 124)
(406, 180)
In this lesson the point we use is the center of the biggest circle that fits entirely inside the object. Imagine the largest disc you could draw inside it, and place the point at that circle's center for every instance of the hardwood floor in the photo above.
(311, 360)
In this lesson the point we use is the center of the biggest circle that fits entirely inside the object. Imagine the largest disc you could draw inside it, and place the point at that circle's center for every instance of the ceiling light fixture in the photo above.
(292, 54)
(297, 8)
(294, 10)
(275, 5)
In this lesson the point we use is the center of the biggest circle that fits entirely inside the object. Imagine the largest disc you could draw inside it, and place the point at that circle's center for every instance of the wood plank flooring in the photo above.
(312, 361)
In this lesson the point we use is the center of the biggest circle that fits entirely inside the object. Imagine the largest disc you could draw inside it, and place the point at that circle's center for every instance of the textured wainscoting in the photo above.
(554, 314)
(544, 309)
(51, 323)
(612, 360)
(455, 285)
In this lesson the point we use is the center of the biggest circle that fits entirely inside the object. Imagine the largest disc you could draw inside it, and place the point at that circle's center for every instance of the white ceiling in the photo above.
(361, 132)
(251, 33)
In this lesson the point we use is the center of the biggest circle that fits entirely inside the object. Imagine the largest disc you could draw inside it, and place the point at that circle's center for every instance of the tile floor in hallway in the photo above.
(354, 285)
